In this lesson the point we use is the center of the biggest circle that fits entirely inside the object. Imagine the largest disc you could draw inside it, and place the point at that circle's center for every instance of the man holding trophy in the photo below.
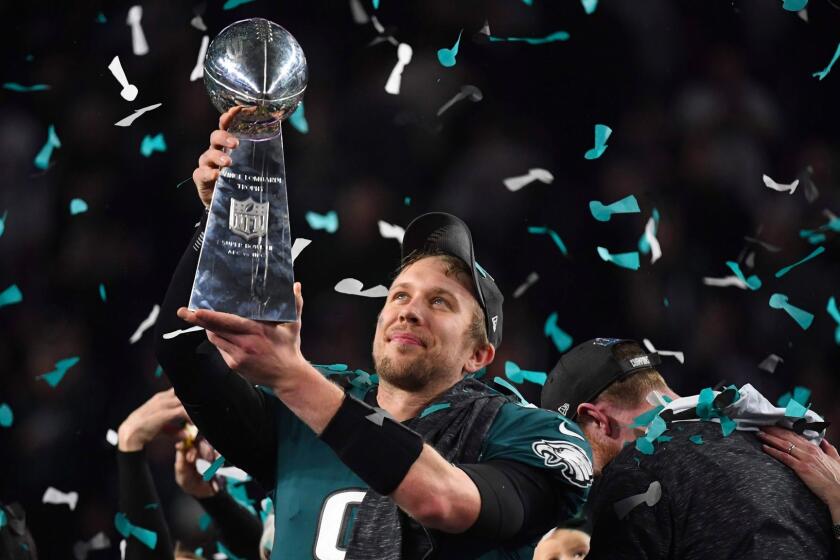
(428, 462)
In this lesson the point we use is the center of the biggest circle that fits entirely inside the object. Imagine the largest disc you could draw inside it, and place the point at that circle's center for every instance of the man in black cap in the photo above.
(428, 462)
(684, 477)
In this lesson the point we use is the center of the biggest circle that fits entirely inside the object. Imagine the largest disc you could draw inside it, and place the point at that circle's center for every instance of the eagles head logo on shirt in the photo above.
(570, 459)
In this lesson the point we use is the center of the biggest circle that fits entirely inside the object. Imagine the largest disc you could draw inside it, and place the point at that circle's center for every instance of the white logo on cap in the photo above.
(640, 361)
(564, 409)
(495, 320)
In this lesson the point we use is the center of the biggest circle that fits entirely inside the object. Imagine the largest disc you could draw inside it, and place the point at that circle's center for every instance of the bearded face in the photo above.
(422, 335)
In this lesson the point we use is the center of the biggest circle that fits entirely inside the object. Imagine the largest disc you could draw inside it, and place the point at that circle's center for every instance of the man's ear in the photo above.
(596, 414)
(481, 357)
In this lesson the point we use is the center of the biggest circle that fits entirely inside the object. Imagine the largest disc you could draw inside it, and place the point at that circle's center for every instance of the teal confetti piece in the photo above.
(642, 420)
(434, 408)
(53, 378)
(100, 18)
(78, 206)
(550, 38)
(802, 317)
(11, 295)
(753, 282)
(554, 237)
(664, 439)
(794, 5)
(696, 439)
(517, 375)
(6, 417)
(13, 86)
(816, 238)
(644, 446)
(603, 213)
(589, 6)
(102, 295)
(561, 339)
(782, 271)
(231, 4)
(407, 201)
(656, 428)
(332, 367)
(623, 260)
(42, 160)
(602, 133)
(802, 395)
(126, 529)
(2, 518)
(298, 119)
(153, 505)
(3, 223)
(375, 4)
(666, 302)
(204, 521)
(224, 550)
(794, 409)
(211, 470)
(644, 244)
(824, 72)
(512, 389)
(446, 57)
(727, 425)
(835, 314)
(704, 404)
(327, 222)
(199, 552)
(481, 271)
(158, 371)
(152, 144)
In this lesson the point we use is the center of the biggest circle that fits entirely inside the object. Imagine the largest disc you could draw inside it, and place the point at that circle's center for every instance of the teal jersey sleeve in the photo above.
(545, 440)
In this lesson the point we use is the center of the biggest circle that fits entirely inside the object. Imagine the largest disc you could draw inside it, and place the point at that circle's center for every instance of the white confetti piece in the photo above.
(514, 184)
(467, 92)
(98, 542)
(147, 322)
(360, 17)
(353, 287)
(676, 354)
(198, 69)
(138, 40)
(404, 54)
(173, 334)
(198, 23)
(391, 231)
(651, 498)
(725, 282)
(129, 91)
(781, 187)
(530, 281)
(770, 363)
(650, 235)
(112, 437)
(298, 246)
(54, 496)
(137, 112)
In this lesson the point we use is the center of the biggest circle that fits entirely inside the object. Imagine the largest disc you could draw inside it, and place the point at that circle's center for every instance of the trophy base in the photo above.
(245, 265)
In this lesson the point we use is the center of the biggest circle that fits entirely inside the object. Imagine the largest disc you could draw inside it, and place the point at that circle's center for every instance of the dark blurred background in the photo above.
(703, 98)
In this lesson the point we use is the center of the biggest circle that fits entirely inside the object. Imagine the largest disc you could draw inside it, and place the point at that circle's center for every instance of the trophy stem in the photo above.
(245, 265)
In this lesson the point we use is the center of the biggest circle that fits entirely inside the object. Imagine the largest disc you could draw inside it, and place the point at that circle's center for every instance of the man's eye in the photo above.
(439, 301)
(399, 296)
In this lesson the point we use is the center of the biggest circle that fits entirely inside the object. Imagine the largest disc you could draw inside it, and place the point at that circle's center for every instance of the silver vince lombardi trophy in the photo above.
(245, 266)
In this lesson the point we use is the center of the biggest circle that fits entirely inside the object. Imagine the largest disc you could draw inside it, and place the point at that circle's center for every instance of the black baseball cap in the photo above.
(586, 370)
(441, 232)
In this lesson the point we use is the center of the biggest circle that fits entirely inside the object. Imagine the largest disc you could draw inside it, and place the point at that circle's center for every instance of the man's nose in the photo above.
(409, 313)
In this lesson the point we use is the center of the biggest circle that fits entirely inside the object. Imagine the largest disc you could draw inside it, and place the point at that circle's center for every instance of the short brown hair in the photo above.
(631, 391)
(459, 269)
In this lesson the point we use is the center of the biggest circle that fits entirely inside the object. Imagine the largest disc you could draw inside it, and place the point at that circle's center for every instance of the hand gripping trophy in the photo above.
(245, 266)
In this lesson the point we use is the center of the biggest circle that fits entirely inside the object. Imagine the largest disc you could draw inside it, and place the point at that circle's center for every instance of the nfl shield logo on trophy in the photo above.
(248, 218)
